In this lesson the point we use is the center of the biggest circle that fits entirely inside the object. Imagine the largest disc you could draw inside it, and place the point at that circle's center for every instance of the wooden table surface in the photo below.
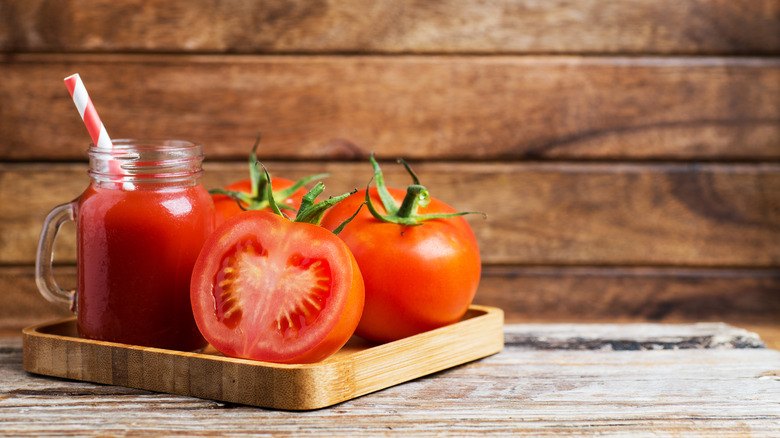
(550, 379)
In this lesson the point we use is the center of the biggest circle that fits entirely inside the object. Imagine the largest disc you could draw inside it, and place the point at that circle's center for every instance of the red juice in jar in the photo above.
(140, 226)
(137, 249)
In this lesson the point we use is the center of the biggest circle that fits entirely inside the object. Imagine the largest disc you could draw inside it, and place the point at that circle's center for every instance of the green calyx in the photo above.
(260, 197)
(311, 211)
(416, 196)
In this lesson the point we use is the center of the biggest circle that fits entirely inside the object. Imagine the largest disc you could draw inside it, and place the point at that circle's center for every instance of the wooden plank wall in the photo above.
(627, 152)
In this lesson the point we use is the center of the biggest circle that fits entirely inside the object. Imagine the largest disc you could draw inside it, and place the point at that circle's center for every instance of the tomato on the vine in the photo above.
(227, 206)
(277, 290)
(252, 193)
(419, 259)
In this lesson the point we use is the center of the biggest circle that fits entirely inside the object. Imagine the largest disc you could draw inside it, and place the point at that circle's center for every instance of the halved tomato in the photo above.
(270, 289)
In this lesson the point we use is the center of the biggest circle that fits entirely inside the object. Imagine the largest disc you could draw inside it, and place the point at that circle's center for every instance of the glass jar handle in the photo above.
(44, 274)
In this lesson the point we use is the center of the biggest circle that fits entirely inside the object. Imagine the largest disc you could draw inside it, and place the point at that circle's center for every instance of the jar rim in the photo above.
(146, 160)
(124, 144)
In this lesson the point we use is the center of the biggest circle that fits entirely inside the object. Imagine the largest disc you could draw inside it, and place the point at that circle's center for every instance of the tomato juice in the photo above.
(136, 250)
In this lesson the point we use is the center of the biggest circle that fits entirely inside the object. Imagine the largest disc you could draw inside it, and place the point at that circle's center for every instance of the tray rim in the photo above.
(295, 386)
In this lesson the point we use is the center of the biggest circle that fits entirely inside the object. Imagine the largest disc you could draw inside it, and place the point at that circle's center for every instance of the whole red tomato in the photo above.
(267, 288)
(227, 206)
(252, 193)
(419, 259)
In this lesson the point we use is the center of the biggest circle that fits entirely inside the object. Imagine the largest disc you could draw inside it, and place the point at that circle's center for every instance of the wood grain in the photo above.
(599, 294)
(432, 108)
(518, 392)
(392, 26)
(626, 152)
(538, 213)
(533, 294)
(630, 337)
(357, 369)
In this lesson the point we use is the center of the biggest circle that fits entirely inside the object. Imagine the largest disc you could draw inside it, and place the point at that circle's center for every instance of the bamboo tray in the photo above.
(359, 368)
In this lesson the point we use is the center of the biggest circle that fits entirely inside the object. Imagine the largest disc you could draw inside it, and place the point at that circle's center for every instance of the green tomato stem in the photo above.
(416, 196)
(311, 211)
(260, 197)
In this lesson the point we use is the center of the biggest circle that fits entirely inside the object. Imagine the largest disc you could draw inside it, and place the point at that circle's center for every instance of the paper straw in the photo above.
(87, 112)
(91, 119)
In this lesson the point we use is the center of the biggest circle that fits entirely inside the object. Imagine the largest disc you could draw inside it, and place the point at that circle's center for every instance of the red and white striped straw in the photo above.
(87, 111)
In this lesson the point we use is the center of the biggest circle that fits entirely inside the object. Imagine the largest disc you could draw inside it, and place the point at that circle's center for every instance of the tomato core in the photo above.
(302, 284)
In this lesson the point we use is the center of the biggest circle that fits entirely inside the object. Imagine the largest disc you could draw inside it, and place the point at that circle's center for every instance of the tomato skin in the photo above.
(417, 278)
(227, 207)
(281, 244)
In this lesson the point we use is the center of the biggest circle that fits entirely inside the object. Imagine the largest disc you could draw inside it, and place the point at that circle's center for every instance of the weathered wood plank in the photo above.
(392, 26)
(531, 295)
(25, 306)
(451, 108)
(702, 392)
(538, 213)
(632, 294)
(629, 337)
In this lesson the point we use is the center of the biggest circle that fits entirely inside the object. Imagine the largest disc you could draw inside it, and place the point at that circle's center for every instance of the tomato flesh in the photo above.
(248, 268)
(269, 289)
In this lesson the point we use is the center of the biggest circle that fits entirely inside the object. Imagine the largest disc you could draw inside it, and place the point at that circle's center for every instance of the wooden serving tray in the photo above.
(54, 349)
